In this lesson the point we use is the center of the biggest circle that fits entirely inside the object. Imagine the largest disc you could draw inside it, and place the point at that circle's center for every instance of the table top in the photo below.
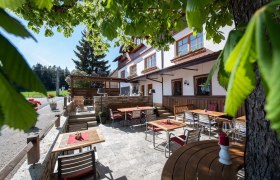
(200, 160)
(162, 123)
(95, 136)
(141, 108)
(241, 118)
(210, 113)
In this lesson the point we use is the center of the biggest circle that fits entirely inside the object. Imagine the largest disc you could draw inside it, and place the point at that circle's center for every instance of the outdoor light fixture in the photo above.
(186, 82)
(151, 91)
(101, 91)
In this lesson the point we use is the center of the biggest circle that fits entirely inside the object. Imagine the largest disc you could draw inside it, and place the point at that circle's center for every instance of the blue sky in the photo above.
(56, 50)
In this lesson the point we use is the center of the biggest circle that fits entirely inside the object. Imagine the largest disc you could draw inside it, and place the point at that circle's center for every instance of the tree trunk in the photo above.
(262, 156)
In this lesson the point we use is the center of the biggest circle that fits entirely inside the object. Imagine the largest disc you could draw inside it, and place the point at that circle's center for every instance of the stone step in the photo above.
(160, 107)
(82, 115)
(92, 123)
(83, 119)
(165, 114)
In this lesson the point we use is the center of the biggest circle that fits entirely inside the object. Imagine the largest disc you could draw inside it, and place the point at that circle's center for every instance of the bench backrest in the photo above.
(179, 109)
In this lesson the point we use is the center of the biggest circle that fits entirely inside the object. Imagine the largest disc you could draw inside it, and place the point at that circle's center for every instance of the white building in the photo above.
(176, 75)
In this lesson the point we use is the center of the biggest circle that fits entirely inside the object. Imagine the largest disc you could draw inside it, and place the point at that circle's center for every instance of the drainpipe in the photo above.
(162, 66)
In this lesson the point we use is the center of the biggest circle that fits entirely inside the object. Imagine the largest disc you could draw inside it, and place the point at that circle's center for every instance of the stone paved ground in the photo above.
(127, 155)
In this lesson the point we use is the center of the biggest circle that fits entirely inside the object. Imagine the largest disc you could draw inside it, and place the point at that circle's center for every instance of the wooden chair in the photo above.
(212, 107)
(189, 117)
(150, 128)
(189, 136)
(206, 122)
(76, 166)
(115, 116)
(77, 127)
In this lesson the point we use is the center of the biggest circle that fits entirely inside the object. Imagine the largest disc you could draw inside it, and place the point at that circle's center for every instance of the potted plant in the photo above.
(102, 117)
(53, 104)
(34, 103)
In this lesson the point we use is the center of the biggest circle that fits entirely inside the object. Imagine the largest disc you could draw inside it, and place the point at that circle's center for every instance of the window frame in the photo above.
(188, 36)
(195, 86)
(172, 86)
(130, 68)
(146, 59)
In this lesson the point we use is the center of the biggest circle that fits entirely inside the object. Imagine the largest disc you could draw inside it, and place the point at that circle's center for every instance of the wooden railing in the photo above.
(200, 102)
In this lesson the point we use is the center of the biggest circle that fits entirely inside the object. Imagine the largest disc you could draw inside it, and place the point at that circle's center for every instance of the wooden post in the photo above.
(65, 102)
(57, 121)
(33, 155)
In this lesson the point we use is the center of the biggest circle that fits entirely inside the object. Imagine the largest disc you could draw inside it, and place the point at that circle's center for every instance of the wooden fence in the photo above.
(200, 102)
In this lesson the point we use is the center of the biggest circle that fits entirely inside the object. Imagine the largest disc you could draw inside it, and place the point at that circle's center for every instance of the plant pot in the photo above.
(102, 119)
(53, 106)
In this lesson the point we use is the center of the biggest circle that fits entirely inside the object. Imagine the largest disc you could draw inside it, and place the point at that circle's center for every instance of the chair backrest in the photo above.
(212, 107)
(136, 114)
(111, 113)
(76, 165)
(192, 136)
(149, 112)
(77, 127)
(203, 118)
(188, 115)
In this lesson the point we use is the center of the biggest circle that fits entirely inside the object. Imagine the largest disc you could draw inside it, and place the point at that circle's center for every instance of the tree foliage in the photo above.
(47, 75)
(87, 61)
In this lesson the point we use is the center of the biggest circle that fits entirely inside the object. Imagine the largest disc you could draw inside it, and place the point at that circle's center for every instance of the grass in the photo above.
(39, 95)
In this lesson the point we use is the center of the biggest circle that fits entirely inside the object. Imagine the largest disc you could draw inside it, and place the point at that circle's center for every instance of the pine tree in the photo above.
(87, 61)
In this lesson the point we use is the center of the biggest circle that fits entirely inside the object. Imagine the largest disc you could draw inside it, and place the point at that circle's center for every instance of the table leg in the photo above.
(125, 118)
(167, 145)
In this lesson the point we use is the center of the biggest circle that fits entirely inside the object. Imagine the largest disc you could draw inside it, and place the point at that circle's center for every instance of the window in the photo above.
(122, 74)
(150, 61)
(138, 41)
(177, 88)
(199, 86)
(189, 43)
(133, 70)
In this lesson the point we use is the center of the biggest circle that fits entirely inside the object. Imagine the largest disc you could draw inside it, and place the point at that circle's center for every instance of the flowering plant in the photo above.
(34, 103)
(51, 96)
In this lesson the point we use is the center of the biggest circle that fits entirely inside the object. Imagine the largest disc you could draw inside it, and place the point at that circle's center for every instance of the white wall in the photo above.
(209, 44)
(188, 90)
(157, 96)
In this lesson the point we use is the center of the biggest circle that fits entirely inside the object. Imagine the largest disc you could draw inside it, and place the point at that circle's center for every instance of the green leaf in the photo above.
(193, 12)
(223, 76)
(273, 97)
(44, 4)
(239, 64)
(16, 68)
(18, 113)
(11, 4)
(13, 26)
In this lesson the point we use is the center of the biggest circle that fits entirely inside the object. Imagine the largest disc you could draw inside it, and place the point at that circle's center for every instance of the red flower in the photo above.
(36, 109)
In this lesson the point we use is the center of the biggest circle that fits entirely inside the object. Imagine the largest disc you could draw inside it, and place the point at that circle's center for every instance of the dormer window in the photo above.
(138, 41)
(189, 43)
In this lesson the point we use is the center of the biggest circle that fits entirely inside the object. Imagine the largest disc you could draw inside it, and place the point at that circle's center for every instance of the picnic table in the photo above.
(130, 109)
(210, 113)
(200, 160)
(66, 142)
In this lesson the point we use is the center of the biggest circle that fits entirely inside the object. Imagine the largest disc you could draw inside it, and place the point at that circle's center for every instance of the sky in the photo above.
(56, 50)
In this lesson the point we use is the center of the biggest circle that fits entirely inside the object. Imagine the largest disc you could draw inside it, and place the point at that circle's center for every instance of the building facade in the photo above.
(176, 74)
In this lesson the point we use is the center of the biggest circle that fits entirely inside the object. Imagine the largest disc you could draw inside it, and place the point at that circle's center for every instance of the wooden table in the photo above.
(200, 160)
(241, 118)
(162, 123)
(61, 144)
(141, 108)
(210, 113)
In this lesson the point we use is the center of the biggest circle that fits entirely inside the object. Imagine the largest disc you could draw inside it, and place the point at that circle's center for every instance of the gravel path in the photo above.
(12, 141)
